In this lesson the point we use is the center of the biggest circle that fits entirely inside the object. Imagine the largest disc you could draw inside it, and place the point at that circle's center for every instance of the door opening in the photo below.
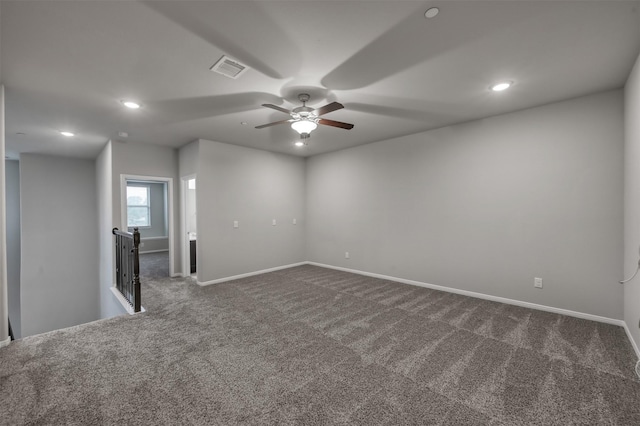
(190, 230)
(147, 204)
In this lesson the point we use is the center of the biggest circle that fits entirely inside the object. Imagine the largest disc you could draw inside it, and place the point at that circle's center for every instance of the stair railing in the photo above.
(128, 266)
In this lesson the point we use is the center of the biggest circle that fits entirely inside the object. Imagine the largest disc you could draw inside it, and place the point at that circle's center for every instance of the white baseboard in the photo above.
(5, 342)
(249, 274)
(633, 342)
(124, 302)
(153, 251)
(484, 296)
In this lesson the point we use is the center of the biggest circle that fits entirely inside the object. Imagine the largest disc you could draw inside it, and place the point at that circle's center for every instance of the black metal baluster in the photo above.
(136, 270)
(128, 266)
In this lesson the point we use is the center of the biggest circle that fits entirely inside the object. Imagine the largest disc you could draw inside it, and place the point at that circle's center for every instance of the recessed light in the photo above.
(131, 104)
(123, 134)
(244, 123)
(499, 87)
(67, 134)
(431, 12)
(299, 144)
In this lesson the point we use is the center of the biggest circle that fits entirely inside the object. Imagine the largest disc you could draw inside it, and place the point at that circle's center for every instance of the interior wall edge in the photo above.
(631, 301)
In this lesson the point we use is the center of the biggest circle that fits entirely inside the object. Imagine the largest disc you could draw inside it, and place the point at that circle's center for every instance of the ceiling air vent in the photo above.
(229, 67)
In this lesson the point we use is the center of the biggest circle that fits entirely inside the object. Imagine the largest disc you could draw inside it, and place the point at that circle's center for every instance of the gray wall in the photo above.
(60, 267)
(484, 206)
(146, 160)
(632, 202)
(12, 174)
(188, 159)
(109, 305)
(253, 187)
(154, 244)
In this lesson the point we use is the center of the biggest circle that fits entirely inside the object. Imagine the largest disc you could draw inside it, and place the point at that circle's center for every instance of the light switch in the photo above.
(235, 224)
(295, 221)
(273, 222)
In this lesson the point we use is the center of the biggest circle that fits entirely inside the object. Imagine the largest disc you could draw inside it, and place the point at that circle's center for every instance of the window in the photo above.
(138, 206)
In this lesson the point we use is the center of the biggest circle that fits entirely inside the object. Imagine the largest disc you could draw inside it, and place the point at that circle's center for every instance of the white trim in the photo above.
(184, 238)
(633, 342)
(249, 274)
(5, 342)
(153, 251)
(153, 238)
(561, 311)
(125, 304)
(168, 203)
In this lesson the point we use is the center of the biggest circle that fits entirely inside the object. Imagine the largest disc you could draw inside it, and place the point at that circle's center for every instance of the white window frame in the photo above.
(148, 205)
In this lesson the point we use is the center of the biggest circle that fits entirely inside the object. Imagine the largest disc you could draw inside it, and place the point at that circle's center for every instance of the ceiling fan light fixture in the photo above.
(304, 126)
(299, 144)
(67, 133)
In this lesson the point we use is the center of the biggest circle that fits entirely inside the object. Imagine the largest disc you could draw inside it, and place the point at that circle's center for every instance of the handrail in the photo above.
(116, 231)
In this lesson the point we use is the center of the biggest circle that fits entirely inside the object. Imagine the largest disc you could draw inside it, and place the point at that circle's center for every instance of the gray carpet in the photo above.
(154, 265)
(313, 346)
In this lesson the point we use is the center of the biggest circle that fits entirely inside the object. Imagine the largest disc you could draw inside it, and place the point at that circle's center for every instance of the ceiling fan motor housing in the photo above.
(303, 112)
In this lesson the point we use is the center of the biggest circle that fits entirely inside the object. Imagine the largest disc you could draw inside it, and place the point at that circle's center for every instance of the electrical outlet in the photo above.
(141, 244)
(537, 282)
(295, 221)
(346, 255)
(273, 222)
(235, 224)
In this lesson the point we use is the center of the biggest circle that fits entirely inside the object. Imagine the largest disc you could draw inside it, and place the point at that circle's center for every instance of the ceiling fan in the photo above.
(305, 119)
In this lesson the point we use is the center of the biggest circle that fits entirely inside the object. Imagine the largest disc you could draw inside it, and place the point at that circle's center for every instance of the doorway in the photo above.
(189, 227)
(147, 203)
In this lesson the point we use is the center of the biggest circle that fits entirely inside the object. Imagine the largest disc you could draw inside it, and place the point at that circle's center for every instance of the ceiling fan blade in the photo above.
(277, 108)
(333, 123)
(273, 124)
(328, 108)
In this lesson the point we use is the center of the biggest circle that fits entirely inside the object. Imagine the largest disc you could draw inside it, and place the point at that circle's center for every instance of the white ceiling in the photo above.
(67, 65)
